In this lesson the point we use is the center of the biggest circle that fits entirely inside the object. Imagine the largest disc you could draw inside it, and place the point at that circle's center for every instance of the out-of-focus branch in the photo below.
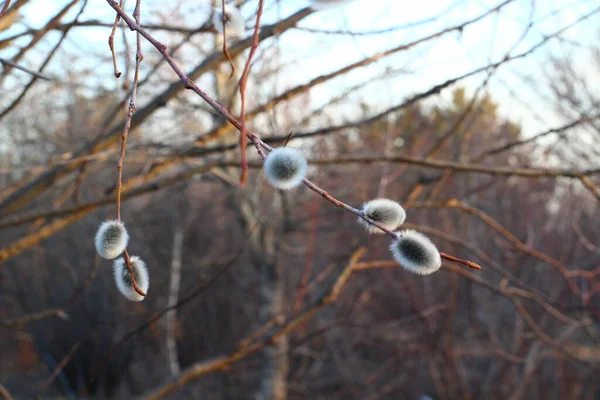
(3, 391)
(171, 319)
(250, 348)
(4, 8)
(39, 184)
(25, 69)
(21, 95)
(242, 85)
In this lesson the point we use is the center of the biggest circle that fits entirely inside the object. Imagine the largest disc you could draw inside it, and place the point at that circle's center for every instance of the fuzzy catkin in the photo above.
(111, 239)
(415, 252)
(325, 4)
(123, 280)
(285, 168)
(234, 21)
(387, 213)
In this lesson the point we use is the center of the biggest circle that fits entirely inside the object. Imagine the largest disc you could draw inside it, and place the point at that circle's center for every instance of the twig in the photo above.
(467, 263)
(4, 8)
(111, 42)
(138, 60)
(132, 107)
(243, 82)
(131, 275)
(29, 71)
(225, 50)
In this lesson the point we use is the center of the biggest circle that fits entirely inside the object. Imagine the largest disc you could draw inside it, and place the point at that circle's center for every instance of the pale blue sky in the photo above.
(430, 63)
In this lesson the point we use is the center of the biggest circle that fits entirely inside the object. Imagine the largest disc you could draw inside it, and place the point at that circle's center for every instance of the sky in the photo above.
(310, 55)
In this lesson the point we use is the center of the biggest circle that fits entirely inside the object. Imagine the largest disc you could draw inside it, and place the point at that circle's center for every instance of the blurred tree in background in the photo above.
(236, 269)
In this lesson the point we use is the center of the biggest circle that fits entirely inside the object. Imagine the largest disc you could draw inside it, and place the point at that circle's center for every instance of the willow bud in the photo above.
(416, 253)
(285, 168)
(111, 239)
(385, 212)
(123, 280)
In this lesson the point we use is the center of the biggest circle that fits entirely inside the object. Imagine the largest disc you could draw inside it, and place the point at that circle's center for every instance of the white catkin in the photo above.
(415, 252)
(111, 239)
(325, 4)
(123, 280)
(235, 24)
(285, 168)
(385, 212)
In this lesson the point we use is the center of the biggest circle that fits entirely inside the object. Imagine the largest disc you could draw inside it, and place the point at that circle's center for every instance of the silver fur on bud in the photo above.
(325, 4)
(234, 21)
(416, 253)
(285, 168)
(123, 280)
(385, 212)
(111, 239)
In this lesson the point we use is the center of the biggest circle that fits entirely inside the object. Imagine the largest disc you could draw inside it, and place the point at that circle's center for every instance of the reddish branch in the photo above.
(225, 51)
(111, 42)
(138, 59)
(243, 82)
(260, 145)
(4, 8)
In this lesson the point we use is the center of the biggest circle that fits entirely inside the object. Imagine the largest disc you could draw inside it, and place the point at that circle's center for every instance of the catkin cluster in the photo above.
(234, 21)
(325, 4)
(411, 249)
(111, 241)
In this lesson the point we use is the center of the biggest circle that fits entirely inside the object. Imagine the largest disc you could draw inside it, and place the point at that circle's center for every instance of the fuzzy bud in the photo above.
(234, 21)
(325, 4)
(385, 212)
(111, 239)
(285, 168)
(123, 280)
(416, 253)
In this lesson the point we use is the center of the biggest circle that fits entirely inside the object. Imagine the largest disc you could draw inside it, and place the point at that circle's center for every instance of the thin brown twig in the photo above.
(131, 275)
(138, 60)
(111, 42)
(225, 50)
(4, 8)
(25, 69)
(243, 82)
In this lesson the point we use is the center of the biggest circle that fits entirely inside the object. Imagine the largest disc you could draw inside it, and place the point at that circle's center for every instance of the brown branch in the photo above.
(111, 42)
(29, 71)
(132, 107)
(138, 60)
(205, 28)
(131, 274)
(225, 50)
(4, 8)
(250, 348)
(33, 80)
(243, 82)
(73, 214)
(3, 391)
(202, 288)
(530, 173)
(55, 311)
(40, 34)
